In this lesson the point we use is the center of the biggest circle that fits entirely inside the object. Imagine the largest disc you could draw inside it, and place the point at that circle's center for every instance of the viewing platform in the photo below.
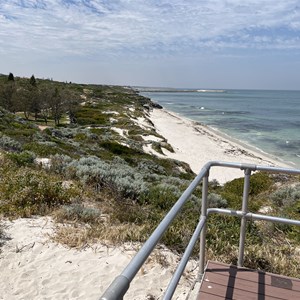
(222, 281)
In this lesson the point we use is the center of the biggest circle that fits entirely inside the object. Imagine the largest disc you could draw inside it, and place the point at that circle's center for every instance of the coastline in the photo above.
(196, 144)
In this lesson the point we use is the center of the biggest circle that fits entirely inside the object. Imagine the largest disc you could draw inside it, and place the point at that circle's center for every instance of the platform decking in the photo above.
(223, 281)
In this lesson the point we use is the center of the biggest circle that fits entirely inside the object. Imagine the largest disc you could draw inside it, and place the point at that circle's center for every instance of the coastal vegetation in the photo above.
(79, 153)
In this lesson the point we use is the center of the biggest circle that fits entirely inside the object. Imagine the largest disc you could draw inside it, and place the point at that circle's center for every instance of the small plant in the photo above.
(286, 196)
(215, 200)
(286, 202)
(77, 212)
(42, 149)
(9, 144)
(259, 182)
(24, 158)
(59, 163)
(162, 196)
(156, 146)
(25, 192)
(116, 175)
(149, 167)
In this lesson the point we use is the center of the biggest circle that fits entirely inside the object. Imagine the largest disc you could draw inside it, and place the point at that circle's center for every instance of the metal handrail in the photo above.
(121, 284)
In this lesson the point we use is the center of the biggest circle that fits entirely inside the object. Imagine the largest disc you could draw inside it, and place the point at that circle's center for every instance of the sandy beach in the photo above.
(197, 144)
(34, 267)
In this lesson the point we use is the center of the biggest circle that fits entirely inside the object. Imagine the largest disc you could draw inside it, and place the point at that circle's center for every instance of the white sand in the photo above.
(152, 138)
(197, 144)
(121, 132)
(33, 267)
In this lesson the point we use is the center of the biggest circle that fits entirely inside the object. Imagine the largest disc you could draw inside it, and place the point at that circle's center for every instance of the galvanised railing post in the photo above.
(203, 215)
(244, 219)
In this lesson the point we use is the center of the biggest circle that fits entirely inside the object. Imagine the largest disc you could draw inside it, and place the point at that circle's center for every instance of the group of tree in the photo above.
(38, 99)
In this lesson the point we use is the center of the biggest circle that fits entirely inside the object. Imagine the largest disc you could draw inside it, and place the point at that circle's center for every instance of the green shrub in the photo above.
(148, 167)
(181, 230)
(43, 149)
(77, 212)
(286, 202)
(233, 191)
(215, 200)
(22, 159)
(259, 182)
(90, 115)
(117, 175)
(118, 149)
(59, 163)
(21, 134)
(286, 196)
(24, 192)
(156, 146)
(162, 196)
(9, 144)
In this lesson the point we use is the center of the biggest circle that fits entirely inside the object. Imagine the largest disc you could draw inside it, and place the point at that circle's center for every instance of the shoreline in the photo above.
(196, 144)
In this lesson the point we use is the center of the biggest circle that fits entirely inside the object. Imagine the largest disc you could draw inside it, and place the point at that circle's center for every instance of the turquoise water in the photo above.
(267, 120)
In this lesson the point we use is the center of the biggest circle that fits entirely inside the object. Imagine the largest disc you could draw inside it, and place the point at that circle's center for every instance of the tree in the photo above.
(23, 101)
(11, 77)
(71, 101)
(56, 105)
(8, 96)
(52, 102)
(32, 81)
(44, 97)
(27, 99)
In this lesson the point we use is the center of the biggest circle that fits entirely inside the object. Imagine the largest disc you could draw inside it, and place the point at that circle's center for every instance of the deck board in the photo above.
(222, 281)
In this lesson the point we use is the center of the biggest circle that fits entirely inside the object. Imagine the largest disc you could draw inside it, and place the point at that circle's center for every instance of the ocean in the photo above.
(266, 120)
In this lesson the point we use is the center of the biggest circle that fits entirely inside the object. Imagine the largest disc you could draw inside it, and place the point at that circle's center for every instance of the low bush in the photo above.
(90, 115)
(119, 149)
(22, 159)
(21, 134)
(215, 200)
(156, 146)
(233, 191)
(9, 144)
(259, 182)
(77, 212)
(148, 167)
(286, 204)
(43, 149)
(59, 163)
(161, 196)
(25, 192)
(286, 196)
(116, 175)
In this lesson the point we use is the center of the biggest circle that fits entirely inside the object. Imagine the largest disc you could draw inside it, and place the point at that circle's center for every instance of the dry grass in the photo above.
(79, 236)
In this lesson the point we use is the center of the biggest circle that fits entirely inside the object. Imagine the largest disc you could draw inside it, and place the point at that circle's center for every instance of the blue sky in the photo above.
(195, 43)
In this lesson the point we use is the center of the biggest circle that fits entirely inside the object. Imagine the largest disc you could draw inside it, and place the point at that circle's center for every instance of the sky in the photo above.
(241, 44)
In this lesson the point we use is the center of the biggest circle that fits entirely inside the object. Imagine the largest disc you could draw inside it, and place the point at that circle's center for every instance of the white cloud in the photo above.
(147, 27)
